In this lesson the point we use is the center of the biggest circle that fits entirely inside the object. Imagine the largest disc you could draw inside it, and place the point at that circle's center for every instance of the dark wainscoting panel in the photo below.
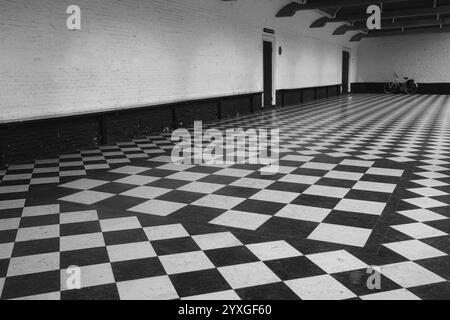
(21, 142)
(333, 91)
(288, 97)
(29, 140)
(321, 93)
(25, 141)
(121, 126)
(186, 113)
(378, 87)
(233, 106)
(309, 94)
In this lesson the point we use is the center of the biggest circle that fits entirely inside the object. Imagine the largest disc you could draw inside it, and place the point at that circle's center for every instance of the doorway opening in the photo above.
(345, 72)
(268, 70)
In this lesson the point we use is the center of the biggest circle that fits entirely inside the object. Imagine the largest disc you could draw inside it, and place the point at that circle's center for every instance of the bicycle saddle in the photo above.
(406, 78)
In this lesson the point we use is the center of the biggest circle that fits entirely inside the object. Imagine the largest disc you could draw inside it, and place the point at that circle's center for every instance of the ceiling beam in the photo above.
(404, 13)
(388, 24)
(290, 9)
(390, 33)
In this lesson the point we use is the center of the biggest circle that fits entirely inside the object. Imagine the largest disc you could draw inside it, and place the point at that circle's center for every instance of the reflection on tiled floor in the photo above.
(364, 181)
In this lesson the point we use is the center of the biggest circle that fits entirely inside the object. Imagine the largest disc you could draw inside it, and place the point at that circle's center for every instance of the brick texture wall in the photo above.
(146, 52)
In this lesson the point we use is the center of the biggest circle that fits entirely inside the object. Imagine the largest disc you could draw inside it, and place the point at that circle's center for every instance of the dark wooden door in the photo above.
(268, 67)
(345, 72)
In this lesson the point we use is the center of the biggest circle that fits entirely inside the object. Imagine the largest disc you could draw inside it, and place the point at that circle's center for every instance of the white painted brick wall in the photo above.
(426, 58)
(142, 52)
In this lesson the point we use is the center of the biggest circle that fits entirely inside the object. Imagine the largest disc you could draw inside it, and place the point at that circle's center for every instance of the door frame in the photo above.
(270, 38)
(349, 51)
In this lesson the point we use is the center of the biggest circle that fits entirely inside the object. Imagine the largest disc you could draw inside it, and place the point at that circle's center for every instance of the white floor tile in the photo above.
(248, 275)
(419, 230)
(297, 158)
(385, 172)
(72, 173)
(216, 241)
(414, 250)
(48, 180)
(430, 183)
(252, 183)
(275, 196)
(157, 207)
(185, 262)
(357, 163)
(87, 197)
(175, 167)
(13, 189)
(16, 177)
(410, 274)
(76, 217)
(333, 233)
(228, 295)
(337, 261)
(399, 294)
(117, 224)
(130, 251)
(82, 241)
(218, 201)
(318, 166)
(52, 296)
(91, 276)
(322, 287)
(241, 220)
(96, 166)
(425, 203)
(187, 176)
(360, 206)
(344, 175)
(428, 192)
(161, 159)
(157, 288)
(375, 186)
(325, 191)
(137, 180)
(145, 192)
(240, 173)
(9, 224)
(166, 232)
(305, 213)
(84, 184)
(300, 179)
(273, 250)
(37, 233)
(40, 210)
(422, 215)
(12, 204)
(6, 250)
(130, 170)
(33, 264)
(201, 187)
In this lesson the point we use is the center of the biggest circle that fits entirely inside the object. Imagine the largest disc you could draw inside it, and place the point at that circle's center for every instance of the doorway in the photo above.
(268, 68)
(345, 72)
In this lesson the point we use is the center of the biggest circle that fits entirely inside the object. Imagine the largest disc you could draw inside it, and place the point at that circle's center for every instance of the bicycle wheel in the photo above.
(411, 87)
(391, 87)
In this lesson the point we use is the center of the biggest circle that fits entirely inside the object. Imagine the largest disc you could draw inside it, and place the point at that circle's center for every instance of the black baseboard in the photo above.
(287, 97)
(28, 140)
(378, 87)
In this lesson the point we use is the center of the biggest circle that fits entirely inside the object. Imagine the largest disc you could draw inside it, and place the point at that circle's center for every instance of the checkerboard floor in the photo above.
(364, 181)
